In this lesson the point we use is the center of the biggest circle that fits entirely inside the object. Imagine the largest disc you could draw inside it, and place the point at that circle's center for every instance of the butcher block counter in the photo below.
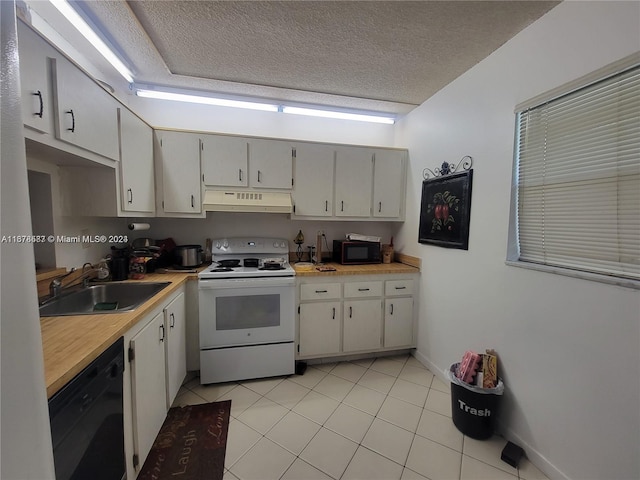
(71, 342)
(374, 269)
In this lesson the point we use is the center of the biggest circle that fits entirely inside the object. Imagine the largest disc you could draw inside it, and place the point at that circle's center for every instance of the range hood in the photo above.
(247, 201)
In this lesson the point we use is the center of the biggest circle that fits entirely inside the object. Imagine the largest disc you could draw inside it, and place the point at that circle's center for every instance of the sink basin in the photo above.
(102, 298)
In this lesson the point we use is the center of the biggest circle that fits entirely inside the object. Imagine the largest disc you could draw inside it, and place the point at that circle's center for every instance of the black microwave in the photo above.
(350, 252)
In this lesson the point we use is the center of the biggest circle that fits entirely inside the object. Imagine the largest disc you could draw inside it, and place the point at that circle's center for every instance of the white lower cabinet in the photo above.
(398, 313)
(320, 326)
(148, 385)
(355, 314)
(398, 322)
(176, 346)
(362, 325)
(157, 368)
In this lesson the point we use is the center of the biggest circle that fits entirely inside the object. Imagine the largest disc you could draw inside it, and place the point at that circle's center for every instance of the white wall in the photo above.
(74, 254)
(568, 348)
(220, 224)
(254, 123)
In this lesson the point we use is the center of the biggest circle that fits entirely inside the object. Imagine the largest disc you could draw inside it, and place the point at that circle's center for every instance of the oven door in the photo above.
(246, 311)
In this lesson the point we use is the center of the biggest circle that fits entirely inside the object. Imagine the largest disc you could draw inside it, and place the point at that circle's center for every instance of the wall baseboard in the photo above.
(535, 457)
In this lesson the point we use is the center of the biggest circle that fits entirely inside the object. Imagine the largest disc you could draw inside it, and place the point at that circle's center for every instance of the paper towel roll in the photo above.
(139, 226)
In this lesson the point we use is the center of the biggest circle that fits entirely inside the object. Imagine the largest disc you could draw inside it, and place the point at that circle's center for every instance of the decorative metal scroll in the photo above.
(448, 168)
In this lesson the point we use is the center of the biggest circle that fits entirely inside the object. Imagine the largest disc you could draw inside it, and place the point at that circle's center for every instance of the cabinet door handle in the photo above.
(73, 121)
(321, 291)
(350, 312)
(39, 95)
(363, 289)
(259, 175)
(326, 205)
(172, 322)
(192, 201)
(239, 174)
(342, 205)
(129, 195)
(162, 333)
(400, 288)
(334, 313)
(391, 312)
(379, 207)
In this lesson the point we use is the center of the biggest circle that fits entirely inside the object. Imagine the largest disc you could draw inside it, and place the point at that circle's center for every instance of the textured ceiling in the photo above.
(384, 55)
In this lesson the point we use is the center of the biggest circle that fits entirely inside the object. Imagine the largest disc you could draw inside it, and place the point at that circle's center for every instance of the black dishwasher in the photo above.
(87, 427)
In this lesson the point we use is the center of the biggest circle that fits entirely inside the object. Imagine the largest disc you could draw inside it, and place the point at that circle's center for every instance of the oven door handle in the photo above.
(230, 283)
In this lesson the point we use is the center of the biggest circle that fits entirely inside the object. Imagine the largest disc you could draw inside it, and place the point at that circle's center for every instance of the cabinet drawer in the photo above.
(394, 288)
(319, 291)
(362, 289)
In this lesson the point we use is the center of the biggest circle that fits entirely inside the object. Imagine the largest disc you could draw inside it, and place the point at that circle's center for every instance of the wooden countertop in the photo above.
(72, 342)
(375, 269)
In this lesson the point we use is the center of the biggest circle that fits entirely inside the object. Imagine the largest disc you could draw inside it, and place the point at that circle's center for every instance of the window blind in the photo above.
(578, 179)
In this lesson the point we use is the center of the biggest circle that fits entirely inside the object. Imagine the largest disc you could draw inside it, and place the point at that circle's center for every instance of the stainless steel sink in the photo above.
(102, 298)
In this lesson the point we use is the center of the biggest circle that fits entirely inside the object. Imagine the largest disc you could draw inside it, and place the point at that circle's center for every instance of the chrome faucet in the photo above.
(55, 287)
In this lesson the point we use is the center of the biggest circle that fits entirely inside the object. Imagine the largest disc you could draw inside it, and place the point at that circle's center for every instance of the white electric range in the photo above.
(247, 310)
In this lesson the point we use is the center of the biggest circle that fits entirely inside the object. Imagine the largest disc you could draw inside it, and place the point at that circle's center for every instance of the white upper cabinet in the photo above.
(179, 163)
(270, 164)
(85, 114)
(388, 184)
(354, 175)
(313, 184)
(137, 191)
(225, 161)
(34, 79)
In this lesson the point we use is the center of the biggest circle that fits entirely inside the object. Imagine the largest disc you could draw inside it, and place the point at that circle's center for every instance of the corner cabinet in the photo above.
(157, 360)
(353, 314)
(178, 173)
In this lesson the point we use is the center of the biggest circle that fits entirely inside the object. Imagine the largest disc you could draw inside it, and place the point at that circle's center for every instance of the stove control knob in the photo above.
(225, 244)
(282, 245)
(218, 245)
(275, 244)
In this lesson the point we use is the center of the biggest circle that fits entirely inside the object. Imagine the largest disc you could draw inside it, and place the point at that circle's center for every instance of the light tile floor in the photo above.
(387, 418)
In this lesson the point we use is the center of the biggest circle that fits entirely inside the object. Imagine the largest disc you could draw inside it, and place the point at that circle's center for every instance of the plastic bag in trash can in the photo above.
(451, 375)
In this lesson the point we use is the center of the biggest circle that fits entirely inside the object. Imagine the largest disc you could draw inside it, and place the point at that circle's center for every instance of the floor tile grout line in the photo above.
(359, 444)
(387, 395)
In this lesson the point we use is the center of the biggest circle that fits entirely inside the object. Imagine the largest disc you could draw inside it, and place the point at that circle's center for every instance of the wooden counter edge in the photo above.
(407, 265)
(56, 377)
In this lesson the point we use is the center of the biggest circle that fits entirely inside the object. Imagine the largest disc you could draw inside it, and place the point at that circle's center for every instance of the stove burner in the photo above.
(271, 266)
(221, 269)
(229, 263)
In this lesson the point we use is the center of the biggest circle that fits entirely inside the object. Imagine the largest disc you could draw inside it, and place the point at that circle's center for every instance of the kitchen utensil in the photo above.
(188, 255)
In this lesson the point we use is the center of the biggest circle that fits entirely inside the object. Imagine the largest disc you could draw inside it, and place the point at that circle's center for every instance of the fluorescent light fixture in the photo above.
(220, 102)
(77, 21)
(341, 115)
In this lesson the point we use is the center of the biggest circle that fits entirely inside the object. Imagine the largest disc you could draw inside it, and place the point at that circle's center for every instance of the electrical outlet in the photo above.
(85, 234)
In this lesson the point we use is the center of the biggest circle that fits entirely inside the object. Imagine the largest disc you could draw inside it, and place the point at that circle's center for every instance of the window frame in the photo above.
(513, 250)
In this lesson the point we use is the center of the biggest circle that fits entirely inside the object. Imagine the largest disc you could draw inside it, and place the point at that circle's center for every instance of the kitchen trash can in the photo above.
(473, 409)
